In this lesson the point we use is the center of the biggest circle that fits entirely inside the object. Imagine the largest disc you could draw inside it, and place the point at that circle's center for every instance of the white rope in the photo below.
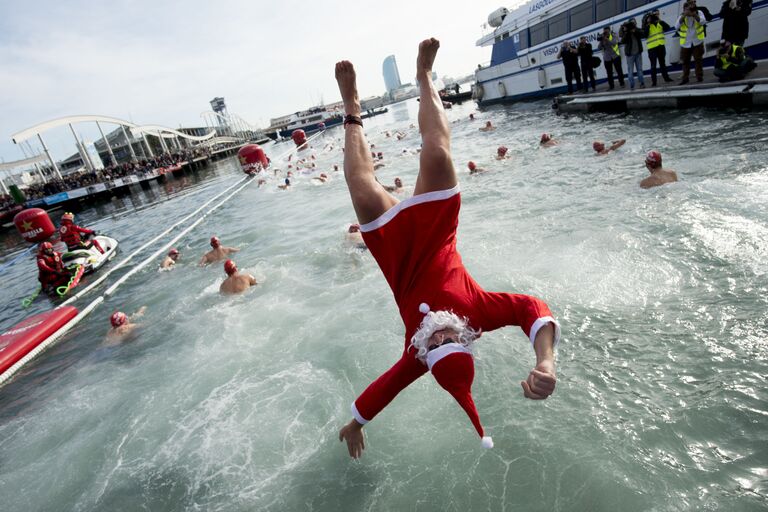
(241, 184)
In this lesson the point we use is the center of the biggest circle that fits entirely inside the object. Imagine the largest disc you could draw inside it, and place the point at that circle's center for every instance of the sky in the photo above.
(162, 62)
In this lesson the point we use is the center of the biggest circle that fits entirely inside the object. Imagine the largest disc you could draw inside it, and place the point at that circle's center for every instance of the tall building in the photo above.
(391, 75)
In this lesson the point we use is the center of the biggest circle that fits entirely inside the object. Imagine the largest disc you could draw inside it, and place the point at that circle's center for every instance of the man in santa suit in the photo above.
(414, 242)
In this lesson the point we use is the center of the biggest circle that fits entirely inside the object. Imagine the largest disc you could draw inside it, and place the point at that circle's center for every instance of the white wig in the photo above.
(436, 321)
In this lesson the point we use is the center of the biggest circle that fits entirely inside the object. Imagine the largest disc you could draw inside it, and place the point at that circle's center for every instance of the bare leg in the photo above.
(369, 198)
(436, 170)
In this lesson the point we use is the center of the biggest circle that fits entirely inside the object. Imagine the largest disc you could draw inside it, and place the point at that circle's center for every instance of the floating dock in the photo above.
(747, 93)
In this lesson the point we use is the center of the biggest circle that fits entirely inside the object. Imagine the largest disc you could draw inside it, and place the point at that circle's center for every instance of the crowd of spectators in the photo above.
(84, 178)
(732, 62)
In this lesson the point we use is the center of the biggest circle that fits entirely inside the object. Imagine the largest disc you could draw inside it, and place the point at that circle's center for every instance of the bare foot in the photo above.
(427, 52)
(346, 78)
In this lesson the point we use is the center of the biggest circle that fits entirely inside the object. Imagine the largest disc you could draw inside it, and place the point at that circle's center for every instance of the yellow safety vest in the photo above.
(655, 36)
(724, 59)
(684, 31)
(615, 47)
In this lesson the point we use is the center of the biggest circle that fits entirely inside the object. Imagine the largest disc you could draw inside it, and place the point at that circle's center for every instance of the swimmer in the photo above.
(122, 325)
(286, 185)
(378, 165)
(547, 141)
(600, 148)
(501, 153)
(659, 175)
(354, 238)
(235, 281)
(335, 168)
(414, 243)
(322, 178)
(218, 252)
(400, 135)
(397, 188)
(170, 260)
(471, 117)
(473, 168)
(488, 127)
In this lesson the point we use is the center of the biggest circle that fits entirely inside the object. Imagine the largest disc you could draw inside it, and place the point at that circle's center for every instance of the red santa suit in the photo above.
(414, 244)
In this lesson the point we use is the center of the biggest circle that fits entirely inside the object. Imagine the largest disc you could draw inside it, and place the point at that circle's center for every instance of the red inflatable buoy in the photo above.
(34, 225)
(252, 158)
(299, 137)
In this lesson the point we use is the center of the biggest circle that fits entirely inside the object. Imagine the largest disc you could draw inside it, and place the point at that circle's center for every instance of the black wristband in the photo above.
(350, 119)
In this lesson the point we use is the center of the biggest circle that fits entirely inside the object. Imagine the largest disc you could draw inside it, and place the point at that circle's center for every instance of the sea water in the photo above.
(235, 403)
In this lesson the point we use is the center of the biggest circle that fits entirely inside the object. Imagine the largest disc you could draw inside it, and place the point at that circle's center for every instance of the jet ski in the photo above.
(90, 258)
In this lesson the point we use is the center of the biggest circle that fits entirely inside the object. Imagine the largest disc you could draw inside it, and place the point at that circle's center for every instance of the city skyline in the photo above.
(391, 74)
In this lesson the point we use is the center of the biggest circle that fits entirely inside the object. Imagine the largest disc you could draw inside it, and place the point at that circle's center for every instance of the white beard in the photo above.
(436, 321)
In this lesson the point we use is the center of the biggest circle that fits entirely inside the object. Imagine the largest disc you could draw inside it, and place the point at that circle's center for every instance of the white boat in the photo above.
(311, 120)
(91, 258)
(526, 41)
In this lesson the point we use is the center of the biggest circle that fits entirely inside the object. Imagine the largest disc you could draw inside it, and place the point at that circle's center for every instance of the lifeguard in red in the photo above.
(70, 234)
(414, 244)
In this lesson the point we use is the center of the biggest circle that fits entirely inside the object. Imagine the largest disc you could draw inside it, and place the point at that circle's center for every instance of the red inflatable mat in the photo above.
(23, 337)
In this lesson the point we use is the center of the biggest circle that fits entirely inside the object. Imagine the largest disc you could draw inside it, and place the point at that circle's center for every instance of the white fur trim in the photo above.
(487, 442)
(433, 356)
(437, 195)
(541, 322)
(358, 417)
(424, 308)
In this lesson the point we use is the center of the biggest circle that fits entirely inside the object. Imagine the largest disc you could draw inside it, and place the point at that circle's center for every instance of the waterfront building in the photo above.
(391, 74)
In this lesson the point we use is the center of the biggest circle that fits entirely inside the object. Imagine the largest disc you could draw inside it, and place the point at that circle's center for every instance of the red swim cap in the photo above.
(653, 158)
(230, 267)
(598, 146)
(471, 165)
(545, 137)
(118, 318)
(215, 242)
(173, 252)
(502, 150)
(353, 228)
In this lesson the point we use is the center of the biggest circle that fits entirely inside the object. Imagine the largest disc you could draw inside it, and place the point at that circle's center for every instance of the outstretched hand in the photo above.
(352, 433)
(540, 382)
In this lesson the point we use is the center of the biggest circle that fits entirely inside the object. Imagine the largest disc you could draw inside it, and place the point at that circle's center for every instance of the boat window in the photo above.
(581, 16)
(608, 8)
(558, 25)
(521, 40)
(539, 33)
(634, 4)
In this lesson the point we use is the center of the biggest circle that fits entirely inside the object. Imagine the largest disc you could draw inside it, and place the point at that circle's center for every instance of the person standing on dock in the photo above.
(631, 38)
(585, 61)
(217, 253)
(609, 44)
(659, 175)
(570, 56)
(735, 14)
(691, 27)
(653, 31)
(443, 309)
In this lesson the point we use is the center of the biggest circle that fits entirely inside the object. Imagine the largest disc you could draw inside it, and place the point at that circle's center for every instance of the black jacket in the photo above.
(736, 21)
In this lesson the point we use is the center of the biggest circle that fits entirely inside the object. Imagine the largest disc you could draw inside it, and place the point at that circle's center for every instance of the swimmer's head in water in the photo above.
(174, 254)
(471, 165)
(287, 182)
(354, 228)
(379, 155)
(598, 146)
(215, 243)
(68, 217)
(471, 116)
(488, 124)
(502, 150)
(653, 159)
(398, 182)
(117, 319)
(545, 137)
(230, 267)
